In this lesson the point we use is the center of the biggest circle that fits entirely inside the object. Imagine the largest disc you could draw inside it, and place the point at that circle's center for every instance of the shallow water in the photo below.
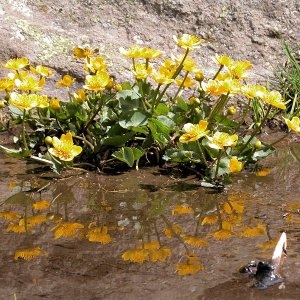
(139, 206)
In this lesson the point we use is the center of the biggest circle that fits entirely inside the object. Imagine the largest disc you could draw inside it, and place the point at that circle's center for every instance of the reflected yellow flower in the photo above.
(195, 241)
(9, 215)
(293, 124)
(169, 232)
(222, 234)
(136, 255)
(99, 234)
(270, 244)
(66, 81)
(6, 84)
(194, 132)
(66, 229)
(97, 82)
(235, 166)
(234, 206)
(28, 254)
(160, 254)
(33, 220)
(222, 139)
(16, 63)
(154, 245)
(260, 229)
(64, 148)
(41, 205)
(264, 172)
(210, 219)
(188, 41)
(19, 227)
(191, 266)
(181, 209)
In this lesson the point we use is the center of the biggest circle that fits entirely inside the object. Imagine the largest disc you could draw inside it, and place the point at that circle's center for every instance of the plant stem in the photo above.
(201, 153)
(218, 163)
(181, 85)
(24, 131)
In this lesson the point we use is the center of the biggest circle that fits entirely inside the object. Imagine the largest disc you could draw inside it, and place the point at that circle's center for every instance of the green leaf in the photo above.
(160, 132)
(128, 155)
(181, 104)
(162, 109)
(15, 153)
(20, 198)
(181, 156)
(118, 140)
(225, 121)
(133, 119)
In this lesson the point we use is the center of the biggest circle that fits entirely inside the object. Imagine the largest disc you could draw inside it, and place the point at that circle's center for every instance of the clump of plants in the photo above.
(171, 110)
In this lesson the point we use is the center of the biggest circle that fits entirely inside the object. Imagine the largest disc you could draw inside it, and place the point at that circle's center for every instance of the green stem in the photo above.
(85, 141)
(219, 70)
(181, 85)
(223, 99)
(218, 163)
(24, 131)
(201, 153)
(255, 131)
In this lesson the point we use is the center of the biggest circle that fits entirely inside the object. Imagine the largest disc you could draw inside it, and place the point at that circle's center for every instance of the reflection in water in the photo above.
(157, 220)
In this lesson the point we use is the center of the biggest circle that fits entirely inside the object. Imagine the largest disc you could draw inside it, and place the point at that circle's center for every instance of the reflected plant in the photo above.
(170, 112)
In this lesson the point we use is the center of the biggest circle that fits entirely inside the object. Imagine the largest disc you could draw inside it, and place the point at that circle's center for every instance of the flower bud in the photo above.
(258, 145)
(48, 140)
(231, 110)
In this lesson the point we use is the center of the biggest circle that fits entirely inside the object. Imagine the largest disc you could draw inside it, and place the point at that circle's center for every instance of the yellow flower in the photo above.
(150, 53)
(136, 255)
(6, 84)
(28, 254)
(182, 209)
(237, 69)
(54, 104)
(293, 124)
(195, 241)
(66, 81)
(162, 77)
(42, 100)
(41, 70)
(99, 235)
(66, 229)
(210, 219)
(191, 266)
(29, 83)
(97, 82)
(19, 227)
(169, 232)
(187, 82)
(253, 91)
(41, 205)
(80, 96)
(189, 65)
(222, 139)
(140, 71)
(188, 41)
(260, 229)
(33, 220)
(82, 52)
(194, 132)
(95, 64)
(274, 98)
(223, 60)
(64, 148)
(9, 215)
(235, 166)
(222, 87)
(16, 63)
(23, 101)
(133, 52)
